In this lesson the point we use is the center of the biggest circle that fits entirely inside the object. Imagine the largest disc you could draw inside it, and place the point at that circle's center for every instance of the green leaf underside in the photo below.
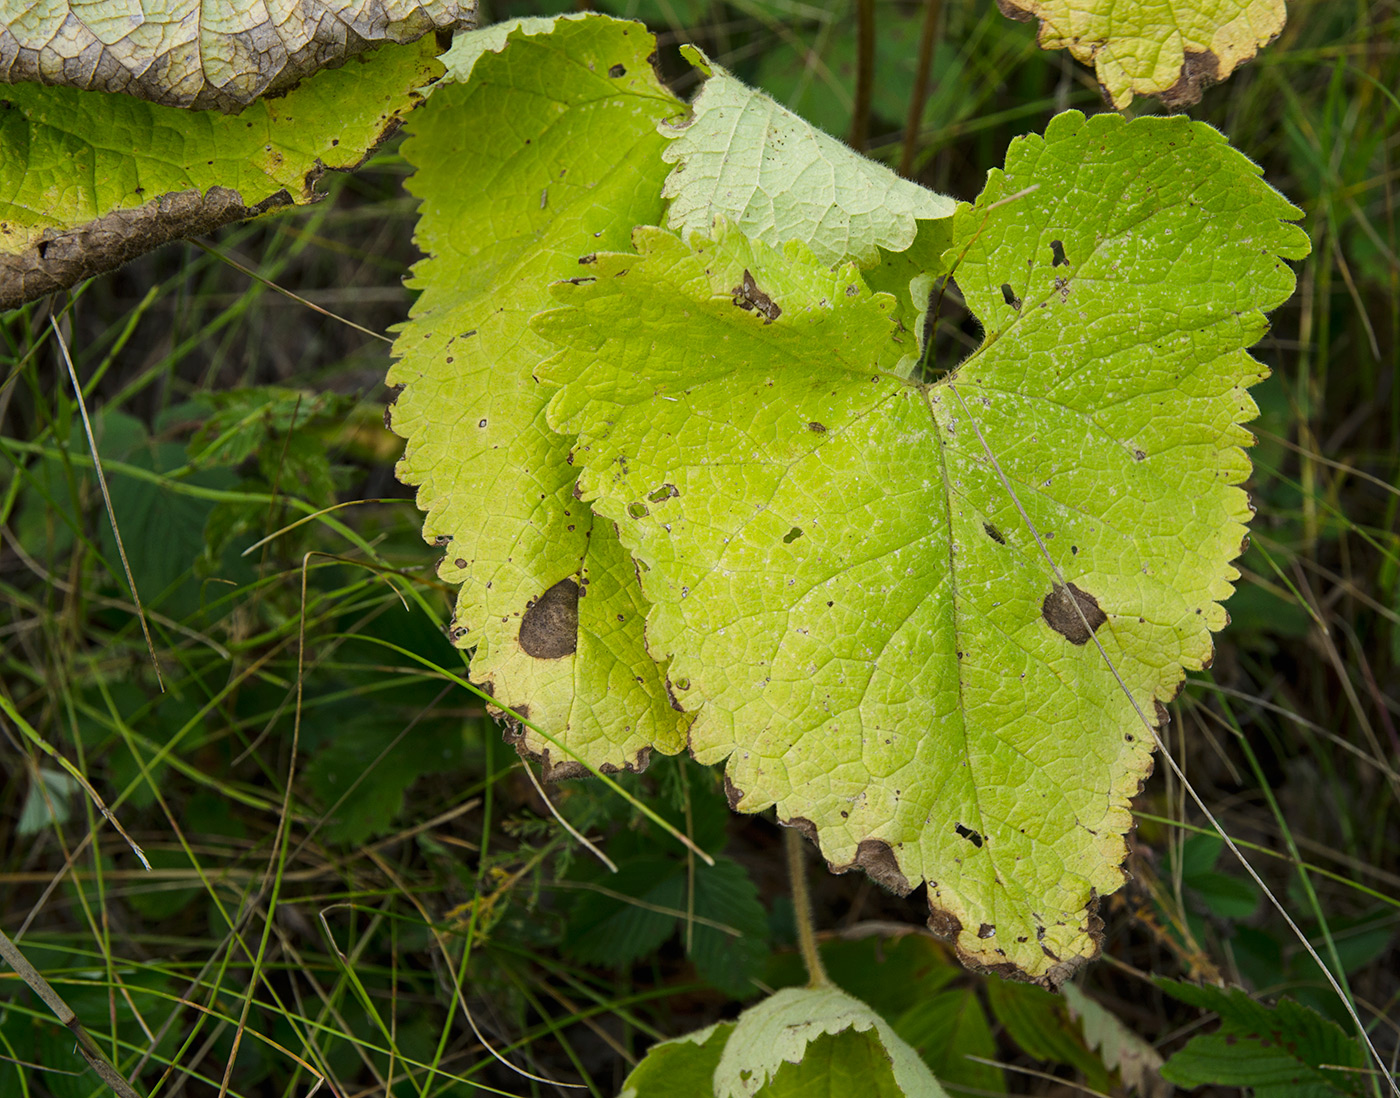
(743, 157)
(855, 610)
(200, 53)
(468, 48)
(94, 174)
(1167, 50)
(1278, 1052)
(772, 1041)
(1119, 1047)
(548, 154)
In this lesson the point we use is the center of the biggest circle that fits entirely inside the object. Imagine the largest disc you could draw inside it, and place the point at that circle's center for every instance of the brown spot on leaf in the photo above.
(993, 533)
(944, 924)
(549, 629)
(1012, 10)
(1073, 613)
(732, 793)
(1198, 71)
(748, 296)
(986, 930)
(877, 859)
(804, 825)
(816, 428)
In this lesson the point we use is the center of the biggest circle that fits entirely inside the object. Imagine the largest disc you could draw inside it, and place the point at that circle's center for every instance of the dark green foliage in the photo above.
(946, 1029)
(1283, 1051)
(1041, 1024)
(621, 917)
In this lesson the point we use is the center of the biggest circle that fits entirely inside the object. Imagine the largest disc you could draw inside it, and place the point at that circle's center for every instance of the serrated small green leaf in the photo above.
(47, 802)
(547, 154)
(1040, 1023)
(780, 1032)
(1170, 51)
(360, 775)
(726, 895)
(1138, 1064)
(239, 422)
(1283, 1051)
(89, 180)
(742, 157)
(201, 54)
(634, 911)
(877, 594)
(947, 1029)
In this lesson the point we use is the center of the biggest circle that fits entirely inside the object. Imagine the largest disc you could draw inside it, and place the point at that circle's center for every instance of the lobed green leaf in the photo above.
(549, 153)
(877, 595)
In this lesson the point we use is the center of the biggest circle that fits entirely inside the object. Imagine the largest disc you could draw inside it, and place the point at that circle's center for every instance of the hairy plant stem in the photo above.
(802, 910)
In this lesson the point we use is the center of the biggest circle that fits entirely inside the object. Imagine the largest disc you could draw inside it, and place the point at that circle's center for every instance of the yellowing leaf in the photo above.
(548, 154)
(90, 180)
(1170, 50)
(926, 620)
(220, 54)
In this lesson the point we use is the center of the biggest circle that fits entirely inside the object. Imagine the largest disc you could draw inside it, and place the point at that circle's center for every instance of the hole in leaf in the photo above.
(792, 535)
(950, 331)
(970, 835)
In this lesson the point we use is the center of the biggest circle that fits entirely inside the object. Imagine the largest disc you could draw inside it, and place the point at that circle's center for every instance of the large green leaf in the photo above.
(547, 154)
(878, 596)
(220, 54)
(819, 1042)
(797, 1043)
(90, 180)
(1170, 51)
